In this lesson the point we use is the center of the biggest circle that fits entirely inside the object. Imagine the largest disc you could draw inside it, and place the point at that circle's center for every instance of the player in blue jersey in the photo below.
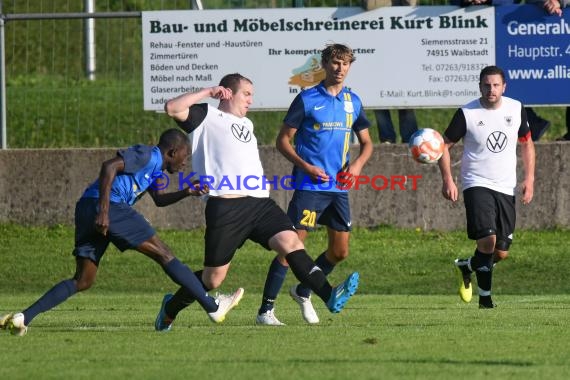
(104, 214)
(321, 121)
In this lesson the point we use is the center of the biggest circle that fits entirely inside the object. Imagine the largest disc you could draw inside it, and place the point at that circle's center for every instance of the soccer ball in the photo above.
(426, 146)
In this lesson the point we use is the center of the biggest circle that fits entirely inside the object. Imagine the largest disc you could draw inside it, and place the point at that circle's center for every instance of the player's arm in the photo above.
(366, 149)
(285, 147)
(162, 198)
(179, 108)
(528, 157)
(449, 188)
(360, 128)
(109, 170)
(454, 132)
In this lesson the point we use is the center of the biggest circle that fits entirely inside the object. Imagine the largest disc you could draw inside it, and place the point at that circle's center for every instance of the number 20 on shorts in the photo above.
(309, 218)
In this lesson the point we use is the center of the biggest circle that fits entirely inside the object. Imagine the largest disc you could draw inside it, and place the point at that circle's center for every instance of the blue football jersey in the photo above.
(143, 165)
(324, 124)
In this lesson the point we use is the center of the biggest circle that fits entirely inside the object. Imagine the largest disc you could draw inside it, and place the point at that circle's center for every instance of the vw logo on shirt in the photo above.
(497, 142)
(241, 133)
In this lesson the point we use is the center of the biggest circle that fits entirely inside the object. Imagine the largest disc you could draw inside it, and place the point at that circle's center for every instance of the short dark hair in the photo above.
(232, 81)
(491, 70)
(173, 139)
(339, 51)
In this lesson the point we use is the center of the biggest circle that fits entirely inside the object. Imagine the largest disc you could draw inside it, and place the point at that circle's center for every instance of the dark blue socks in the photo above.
(183, 276)
(50, 299)
(178, 272)
(273, 283)
(182, 298)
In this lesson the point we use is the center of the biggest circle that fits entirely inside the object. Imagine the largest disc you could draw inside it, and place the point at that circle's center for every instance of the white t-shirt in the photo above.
(490, 143)
(226, 156)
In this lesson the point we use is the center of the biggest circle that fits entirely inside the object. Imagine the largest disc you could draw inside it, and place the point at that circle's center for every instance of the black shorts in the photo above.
(489, 213)
(327, 208)
(231, 221)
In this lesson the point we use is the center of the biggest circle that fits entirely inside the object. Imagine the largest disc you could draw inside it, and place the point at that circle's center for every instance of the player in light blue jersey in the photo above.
(104, 215)
(321, 121)
(322, 125)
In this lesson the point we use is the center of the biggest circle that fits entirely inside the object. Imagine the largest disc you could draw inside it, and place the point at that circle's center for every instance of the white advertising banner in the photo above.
(405, 57)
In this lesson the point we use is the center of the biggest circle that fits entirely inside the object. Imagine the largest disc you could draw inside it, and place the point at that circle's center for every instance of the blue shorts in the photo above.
(327, 208)
(127, 229)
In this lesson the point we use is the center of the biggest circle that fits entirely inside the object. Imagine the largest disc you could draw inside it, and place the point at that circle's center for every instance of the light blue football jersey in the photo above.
(324, 125)
(143, 165)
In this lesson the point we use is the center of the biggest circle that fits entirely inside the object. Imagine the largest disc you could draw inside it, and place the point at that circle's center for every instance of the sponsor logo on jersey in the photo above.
(497, 142)
(241, 133)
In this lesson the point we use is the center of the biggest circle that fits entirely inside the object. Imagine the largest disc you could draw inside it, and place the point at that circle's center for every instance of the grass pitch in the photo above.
(405, 322)
(111, 336)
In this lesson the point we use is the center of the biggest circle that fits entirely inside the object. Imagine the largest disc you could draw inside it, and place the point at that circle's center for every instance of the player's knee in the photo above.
(285, 242)
(338, 255)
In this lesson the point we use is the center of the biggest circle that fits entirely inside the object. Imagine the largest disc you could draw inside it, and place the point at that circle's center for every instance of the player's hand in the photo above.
(354, 169)
(345, 180)
(527, 191)
(449, 191)
(221, 93)
(196, 190)
(102, 223)
(552, 7)
(318, 174)
(348, 175)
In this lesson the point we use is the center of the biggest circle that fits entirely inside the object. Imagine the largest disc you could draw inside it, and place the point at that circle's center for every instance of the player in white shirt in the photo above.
(224, 150)
(490, 127)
